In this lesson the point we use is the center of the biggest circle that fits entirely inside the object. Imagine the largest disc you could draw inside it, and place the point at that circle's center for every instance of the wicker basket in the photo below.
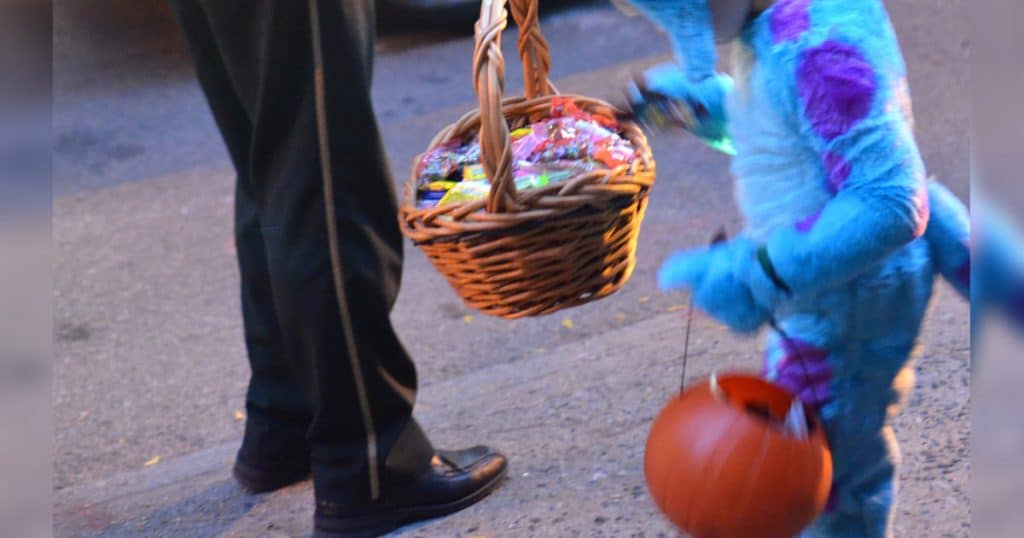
(531, 253)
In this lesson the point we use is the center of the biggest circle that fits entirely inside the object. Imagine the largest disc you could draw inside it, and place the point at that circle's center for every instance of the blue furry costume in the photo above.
(844, 234)
(997, 281)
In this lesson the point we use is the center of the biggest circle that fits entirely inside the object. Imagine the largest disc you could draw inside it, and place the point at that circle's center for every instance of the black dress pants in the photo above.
(329, 376)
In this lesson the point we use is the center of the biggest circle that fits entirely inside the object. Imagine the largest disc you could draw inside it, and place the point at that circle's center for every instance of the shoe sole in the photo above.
(255, 481)
(375, 525)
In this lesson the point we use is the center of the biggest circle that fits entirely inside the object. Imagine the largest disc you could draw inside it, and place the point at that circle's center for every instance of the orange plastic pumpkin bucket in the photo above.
(718, 470)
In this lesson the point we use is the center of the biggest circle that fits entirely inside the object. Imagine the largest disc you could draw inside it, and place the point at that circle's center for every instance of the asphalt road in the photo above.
(127, 108)
(149, 359)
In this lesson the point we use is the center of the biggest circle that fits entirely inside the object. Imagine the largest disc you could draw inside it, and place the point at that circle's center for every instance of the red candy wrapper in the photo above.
(564, 107)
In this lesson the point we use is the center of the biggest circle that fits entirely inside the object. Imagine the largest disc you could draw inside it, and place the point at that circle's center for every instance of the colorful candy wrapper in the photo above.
(569, 142)
(532, 181)
(440, 186)
(466, 191)
(436, 162)
(613, 155)
(430, 198)
(443, 162)
(473, 172)
(471, 153)
(526, 146)
(565, 107)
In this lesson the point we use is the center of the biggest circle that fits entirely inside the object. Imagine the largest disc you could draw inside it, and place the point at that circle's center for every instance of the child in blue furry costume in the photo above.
(844, 234)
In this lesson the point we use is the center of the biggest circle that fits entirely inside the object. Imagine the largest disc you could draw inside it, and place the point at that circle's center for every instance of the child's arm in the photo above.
(689, 28)
(845, 107)
(691, 79)
(949, 237)
(664, 97)
(841, 103)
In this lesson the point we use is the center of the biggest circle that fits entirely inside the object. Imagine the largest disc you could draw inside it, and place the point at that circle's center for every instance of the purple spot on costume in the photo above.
(805, 225)
(838, 171)
(837, 86)
(790, 19)
(805, 371)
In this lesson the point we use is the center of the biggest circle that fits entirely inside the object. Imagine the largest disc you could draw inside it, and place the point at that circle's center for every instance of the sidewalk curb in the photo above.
(572, 420)
(105, 506)
(95, 506)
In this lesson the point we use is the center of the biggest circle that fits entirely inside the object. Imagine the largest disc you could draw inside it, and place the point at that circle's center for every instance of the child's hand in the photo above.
(726, 281)
(665, 97)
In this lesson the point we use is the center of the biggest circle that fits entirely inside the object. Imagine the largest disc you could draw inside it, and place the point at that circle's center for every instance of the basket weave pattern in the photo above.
(542, 250)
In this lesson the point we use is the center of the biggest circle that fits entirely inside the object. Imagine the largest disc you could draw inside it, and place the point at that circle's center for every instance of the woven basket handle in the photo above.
(489, 82)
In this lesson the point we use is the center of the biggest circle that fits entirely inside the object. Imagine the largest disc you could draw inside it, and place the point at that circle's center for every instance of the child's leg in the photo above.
(855, 389)
(864, 491)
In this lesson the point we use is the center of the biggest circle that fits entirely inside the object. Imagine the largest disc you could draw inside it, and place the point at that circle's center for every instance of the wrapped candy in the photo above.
(568, 142)
(474, 172)
(528, 144)
(564, 107)
(466, 191)
(445, 161)
(441, 186)
(521, 132)
(439, 163)
(430, 198)
(613, 154)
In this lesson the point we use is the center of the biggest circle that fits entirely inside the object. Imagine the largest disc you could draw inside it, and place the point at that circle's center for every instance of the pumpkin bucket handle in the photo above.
(721, 236)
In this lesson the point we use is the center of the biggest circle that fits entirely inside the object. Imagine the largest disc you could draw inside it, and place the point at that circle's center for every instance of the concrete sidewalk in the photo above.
(574, 422)
(150, 368)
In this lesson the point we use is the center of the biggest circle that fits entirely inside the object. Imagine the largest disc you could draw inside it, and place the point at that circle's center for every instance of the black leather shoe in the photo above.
(455, 480)
(263, 476)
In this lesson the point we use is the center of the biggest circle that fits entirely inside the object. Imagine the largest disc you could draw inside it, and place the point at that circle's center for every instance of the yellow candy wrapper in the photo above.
(441, 185)
(466, 191)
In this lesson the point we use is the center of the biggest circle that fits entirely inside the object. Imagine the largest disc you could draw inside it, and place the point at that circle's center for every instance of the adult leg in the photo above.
(274, 452)
(360, 408)
(373, 468)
